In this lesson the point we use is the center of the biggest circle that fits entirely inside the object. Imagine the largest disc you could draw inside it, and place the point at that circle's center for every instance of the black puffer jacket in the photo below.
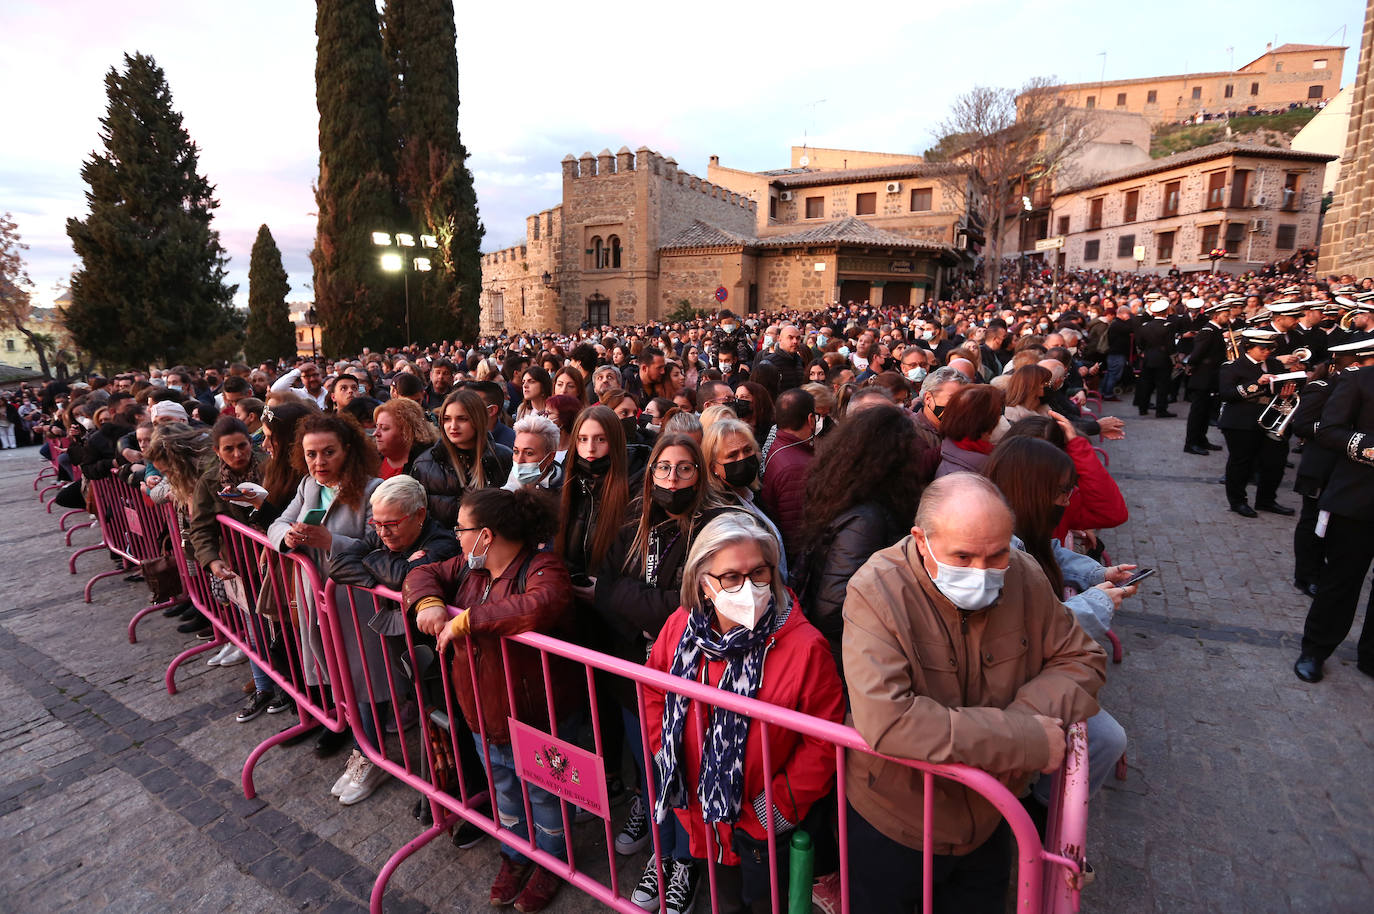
(436, 473)
(848, 542)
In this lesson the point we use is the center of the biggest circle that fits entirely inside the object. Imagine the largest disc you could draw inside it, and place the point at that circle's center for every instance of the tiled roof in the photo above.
(852, 230)
(1200, 154)
(1290, 48)
(701, 235)
(1136, 80)
(874, 173)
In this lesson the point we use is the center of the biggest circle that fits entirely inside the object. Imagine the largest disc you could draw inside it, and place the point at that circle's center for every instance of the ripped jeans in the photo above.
(510, 804)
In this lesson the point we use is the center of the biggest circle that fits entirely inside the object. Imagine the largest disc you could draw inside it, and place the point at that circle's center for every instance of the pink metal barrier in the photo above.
(1047, 877)
(131, 528)
(56, 447)
(275, 611)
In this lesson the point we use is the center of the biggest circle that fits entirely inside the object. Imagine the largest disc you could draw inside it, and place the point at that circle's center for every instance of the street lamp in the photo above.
(311, 316)
(396, 262)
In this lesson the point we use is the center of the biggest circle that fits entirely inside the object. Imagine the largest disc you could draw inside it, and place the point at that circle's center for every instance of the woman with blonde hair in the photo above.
(731, 455)
(401, 435)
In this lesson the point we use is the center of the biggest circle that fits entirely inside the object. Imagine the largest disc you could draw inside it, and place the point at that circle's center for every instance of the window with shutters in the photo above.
(1131, 207)
(1151, 97)
(1211, 234)
(1164, 247)
(866, 204)
(1125, 246)
(1091, 249)
(1216, 190)
(1121, 99)
(1095, 214)
(815, 207)
(1169, 206)
(1197, 93)
(921, 199)
(1286, 238)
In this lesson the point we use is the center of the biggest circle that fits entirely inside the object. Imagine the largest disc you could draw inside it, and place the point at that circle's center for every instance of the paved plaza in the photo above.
(1247, 791)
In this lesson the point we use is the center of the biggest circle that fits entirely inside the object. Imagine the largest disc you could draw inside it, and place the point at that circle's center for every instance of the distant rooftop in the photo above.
(1200, 154)
(805, 177)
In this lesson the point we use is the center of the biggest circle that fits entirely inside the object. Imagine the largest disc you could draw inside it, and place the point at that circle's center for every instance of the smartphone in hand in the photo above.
(1136, 578)
(315, 516)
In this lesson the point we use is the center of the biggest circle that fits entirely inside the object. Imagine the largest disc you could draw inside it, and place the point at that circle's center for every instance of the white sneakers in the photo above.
(229, 655)
(358, 781)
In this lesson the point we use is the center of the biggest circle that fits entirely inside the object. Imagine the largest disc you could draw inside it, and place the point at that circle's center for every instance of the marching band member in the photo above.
(1245, 392)
(1210, 352)
(1347, 503)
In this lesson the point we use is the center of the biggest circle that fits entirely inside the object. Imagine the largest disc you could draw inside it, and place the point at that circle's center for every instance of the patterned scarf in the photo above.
(228, 479)
(721, 785)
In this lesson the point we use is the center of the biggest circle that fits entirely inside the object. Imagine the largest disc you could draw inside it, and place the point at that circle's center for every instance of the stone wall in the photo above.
(516, 275)
(1348, 236)
(694, 276)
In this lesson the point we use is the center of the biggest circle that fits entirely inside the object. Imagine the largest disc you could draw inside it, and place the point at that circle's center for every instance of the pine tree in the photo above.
(432, 174)
(270, 334)
(151, 285)
(358, 304)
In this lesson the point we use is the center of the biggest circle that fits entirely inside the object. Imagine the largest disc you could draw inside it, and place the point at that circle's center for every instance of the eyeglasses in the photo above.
(732, 581)
(382, 526)
(465, 529)
(683, 471)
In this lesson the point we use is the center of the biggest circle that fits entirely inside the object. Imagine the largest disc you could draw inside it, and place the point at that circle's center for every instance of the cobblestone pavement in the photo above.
(1247, 790)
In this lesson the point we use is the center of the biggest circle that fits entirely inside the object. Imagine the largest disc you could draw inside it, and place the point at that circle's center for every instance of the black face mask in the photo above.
(674, 501)
(596, 468)
(740, 473)
(743, 408)
(937, 411)
(631, 426)
(1057, 514)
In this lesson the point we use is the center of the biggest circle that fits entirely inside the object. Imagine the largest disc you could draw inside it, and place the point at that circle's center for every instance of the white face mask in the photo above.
(527, 473)
(916, 375)
(927, 334)
(970, 589)
(745, 606)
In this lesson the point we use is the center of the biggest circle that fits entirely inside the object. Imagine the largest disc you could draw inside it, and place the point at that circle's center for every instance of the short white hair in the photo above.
(726, 530)
(402, 491)
(607, 369)
(542, 426)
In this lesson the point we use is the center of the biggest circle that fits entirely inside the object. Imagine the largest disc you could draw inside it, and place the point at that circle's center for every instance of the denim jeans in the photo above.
(1116, 366)
(1106, 744)
(672, 837)
(510, 803)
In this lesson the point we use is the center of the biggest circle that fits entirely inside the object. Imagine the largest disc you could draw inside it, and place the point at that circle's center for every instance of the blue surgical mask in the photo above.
(478, 562)
(970, 589)
(916, 375)
(527, 473)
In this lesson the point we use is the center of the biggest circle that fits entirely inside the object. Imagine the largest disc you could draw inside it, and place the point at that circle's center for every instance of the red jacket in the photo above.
(784, 487)
(798, 673)
(1098, 503)
(545, 606)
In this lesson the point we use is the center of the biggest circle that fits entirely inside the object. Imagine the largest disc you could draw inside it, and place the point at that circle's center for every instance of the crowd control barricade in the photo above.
(265, 610)
(1047, 875)
(56, 447)
(131, 528)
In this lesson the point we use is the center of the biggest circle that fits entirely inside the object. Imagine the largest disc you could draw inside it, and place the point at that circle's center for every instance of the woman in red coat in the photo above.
(741, 630)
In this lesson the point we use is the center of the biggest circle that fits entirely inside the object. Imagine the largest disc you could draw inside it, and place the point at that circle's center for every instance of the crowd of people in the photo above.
(895, 516)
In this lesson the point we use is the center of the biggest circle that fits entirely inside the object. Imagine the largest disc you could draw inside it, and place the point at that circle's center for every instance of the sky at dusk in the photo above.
(559, 78)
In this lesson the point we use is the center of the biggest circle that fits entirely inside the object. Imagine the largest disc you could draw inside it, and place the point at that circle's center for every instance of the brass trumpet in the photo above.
(1280, 411)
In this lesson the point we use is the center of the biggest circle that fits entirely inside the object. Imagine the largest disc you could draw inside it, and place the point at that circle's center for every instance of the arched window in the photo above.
(614, 242)
(598, 253)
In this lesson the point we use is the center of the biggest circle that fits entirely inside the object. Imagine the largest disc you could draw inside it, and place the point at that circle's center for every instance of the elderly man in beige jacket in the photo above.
(960, 652)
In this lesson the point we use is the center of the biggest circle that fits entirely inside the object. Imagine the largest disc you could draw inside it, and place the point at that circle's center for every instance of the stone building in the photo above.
(635, 238)
(1303, 74)
(1259, 203)
(1348, 235)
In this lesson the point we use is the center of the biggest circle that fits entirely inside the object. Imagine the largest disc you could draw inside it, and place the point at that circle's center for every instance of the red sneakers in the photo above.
(509, 881)
(539, 891)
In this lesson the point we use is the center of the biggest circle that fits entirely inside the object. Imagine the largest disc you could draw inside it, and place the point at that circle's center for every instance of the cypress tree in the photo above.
(358, 304)
(432, 173)
(151, 284)
(270, 334)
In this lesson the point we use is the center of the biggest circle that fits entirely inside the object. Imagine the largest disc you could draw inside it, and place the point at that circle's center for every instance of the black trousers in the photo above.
(1153, 380)
(1248, 450)
(1199, 414)
(1309, 550)
(885, 877)
(1349, 551)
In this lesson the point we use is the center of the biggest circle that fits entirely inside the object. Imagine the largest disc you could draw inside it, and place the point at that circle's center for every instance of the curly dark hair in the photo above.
(528, 516)
(361, 459)
(873, 461)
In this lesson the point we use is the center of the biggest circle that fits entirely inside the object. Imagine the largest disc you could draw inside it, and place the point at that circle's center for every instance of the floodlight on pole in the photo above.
(405, 239)
(393, 263)
(381, 238)
(422, 264)
(428, 241)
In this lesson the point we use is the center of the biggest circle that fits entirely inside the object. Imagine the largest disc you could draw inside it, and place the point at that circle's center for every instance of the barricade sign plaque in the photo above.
(564, 769)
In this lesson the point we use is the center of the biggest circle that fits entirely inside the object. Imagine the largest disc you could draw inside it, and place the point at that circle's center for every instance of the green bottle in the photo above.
(801, 860)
